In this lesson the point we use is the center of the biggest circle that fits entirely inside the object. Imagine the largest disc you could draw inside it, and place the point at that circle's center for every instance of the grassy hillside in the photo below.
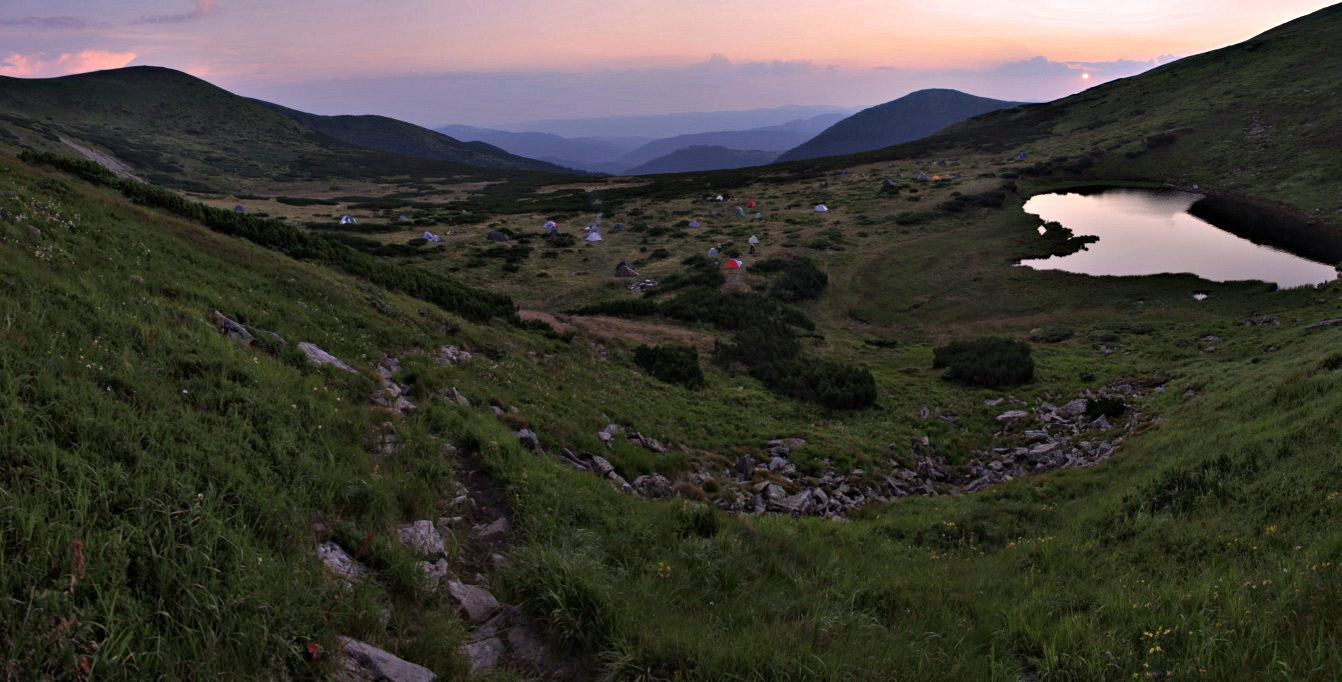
(165, 487)
(917, 114)
(179, 131)
(398, 137)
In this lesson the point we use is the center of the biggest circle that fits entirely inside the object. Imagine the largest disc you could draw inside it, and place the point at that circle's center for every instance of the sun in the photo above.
(1085, 76)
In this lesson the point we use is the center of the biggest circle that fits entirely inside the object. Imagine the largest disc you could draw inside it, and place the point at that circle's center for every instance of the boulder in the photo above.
(452, 355)
(1074, 408)
(362, 661)
(320, 357)
(484, 654)
(476, 601)
(601, 466)
(528, 439)
(231, 329)
(499, 527)
(1012, 415)
(459, 398)
(339, 562)
(435, 571)
(655, 486)
(422, 537)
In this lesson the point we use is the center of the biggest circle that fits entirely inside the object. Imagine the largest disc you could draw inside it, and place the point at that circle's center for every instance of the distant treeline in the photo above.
(470, 303)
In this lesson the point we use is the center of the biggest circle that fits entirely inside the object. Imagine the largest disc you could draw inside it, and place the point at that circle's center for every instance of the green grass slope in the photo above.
(917, 114)
(174, 129)
(398, 137)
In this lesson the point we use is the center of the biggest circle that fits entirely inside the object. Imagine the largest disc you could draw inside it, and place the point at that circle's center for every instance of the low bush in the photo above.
(1052, 335)
(990, 361)
(794, 279)
(672, 364)
(1107, 407)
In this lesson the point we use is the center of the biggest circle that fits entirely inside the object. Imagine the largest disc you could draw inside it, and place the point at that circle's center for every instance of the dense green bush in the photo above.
(830, 383)
(1052, 335)
(795, 279)
(989, 361)
(672, 364)
(1108, 407)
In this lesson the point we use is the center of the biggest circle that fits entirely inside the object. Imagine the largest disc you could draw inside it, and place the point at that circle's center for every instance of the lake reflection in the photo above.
(1148, 232)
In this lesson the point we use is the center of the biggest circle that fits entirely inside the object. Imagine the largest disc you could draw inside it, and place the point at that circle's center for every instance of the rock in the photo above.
(452, 355)
(339, 562)
(776, 463)
(655, 486)
(744, 466)
(402, 405)
(476, 601)
(528, 647)
(499, 527)
(422, 537)
(529, 439)
(231, 329)
(604, 436)
(601, 467)
(483, 654)
(1074, 408)
(773, 491)
(435, 571)
(789, 443)
(459, 398)
(652, 444)
(320, 357)
(1012, 415)
(793, 503)
(363, 661)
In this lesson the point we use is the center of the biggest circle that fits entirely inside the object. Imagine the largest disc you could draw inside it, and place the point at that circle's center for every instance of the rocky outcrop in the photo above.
(320, 357)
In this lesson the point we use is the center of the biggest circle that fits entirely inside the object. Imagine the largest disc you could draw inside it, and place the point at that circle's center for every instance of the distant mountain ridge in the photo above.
(913, 116)
(174, 129)
(670, 125)
(390, 135)
(703, 157)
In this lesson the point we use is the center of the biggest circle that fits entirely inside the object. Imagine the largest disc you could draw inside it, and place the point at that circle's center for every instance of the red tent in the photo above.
(751, 204)
(733, 264)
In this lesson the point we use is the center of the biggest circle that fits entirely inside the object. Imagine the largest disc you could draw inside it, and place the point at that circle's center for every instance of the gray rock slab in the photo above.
(476, 601)
(364, 661)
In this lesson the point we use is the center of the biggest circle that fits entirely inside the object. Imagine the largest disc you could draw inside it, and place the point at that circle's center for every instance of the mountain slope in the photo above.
(175, 129)
(398, 137)
(581, 150)
(917, 114)
(702, 157)
(667, 125)
(763, 140)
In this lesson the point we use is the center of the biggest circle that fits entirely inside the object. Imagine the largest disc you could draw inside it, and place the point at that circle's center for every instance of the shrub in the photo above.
(797, 278)
(1108, 407)
(989, 361)
(830, 383)
(1052, 335)
(672, 364)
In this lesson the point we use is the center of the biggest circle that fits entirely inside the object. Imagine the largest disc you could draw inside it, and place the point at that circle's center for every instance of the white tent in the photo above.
(753, 240)
(821, 208)
(346, 220)
(594, 237)
(550, 225)
(429, 236)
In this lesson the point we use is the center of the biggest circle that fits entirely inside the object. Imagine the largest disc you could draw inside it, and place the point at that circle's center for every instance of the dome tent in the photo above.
(734, 264)
(497, 236)
(821, 208)
(593, 237)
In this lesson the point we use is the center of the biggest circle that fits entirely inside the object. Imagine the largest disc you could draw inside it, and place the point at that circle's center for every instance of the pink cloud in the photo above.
(36, 65)
(203, 8)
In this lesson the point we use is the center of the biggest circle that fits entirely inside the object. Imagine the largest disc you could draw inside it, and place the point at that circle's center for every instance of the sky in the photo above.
(495, 63)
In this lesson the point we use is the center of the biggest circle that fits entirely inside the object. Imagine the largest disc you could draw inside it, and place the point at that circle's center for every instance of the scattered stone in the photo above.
(1325, 323)
(484, 654)
(339, 562)
(655, 486)
(435, 571)
(1012, 415)
(231, 329)
(499, 527)
(320, 357)
(422, 537)
(476, 601)
(601, 467)
(452, 355)
(529, 439)
(1074, 408)
(362, 661)
(744, 466)
(459, 398)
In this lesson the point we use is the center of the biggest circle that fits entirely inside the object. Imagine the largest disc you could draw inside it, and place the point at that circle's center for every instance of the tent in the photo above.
(593, 237)
(824, 185)
(753, 240)
(624, 269)
(888, 182)
(843, 173)
(429, 236)
(694, 223)
(758, 216)
(550, 225)
(346, 220)
(821, 208)
(238, 209)
(920, 176)
(717, 198)
(740, 212)
(1020, 155)
(403, 218)
(713, 252)
(734, 264)
(497, 236)
(751, 204)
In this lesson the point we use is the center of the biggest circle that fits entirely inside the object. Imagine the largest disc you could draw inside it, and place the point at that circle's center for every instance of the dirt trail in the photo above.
(109, 162)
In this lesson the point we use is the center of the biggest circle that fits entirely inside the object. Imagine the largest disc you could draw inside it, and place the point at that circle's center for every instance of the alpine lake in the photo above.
(1148, 232)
